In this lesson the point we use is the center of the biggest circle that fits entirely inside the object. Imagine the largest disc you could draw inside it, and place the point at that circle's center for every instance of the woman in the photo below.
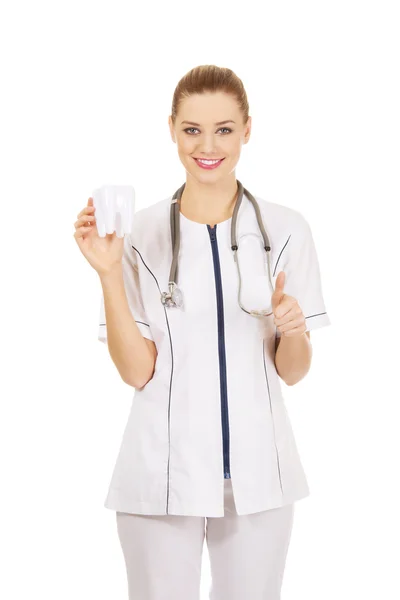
(208, 450)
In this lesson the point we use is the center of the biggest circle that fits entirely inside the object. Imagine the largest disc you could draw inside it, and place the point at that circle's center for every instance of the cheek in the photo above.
(185, 146)
(232, 148)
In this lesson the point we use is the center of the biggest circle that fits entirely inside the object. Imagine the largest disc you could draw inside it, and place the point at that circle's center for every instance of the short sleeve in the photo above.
(132, 288)
(303, 276)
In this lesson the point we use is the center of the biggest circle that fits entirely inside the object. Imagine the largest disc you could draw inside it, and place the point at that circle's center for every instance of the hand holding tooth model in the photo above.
(102, 224)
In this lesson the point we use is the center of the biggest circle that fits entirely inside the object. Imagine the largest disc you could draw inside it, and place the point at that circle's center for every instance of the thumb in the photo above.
(278, 292)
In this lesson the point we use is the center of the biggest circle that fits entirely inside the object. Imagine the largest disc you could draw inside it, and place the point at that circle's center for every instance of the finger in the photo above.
(280, 282)
(291, 311)
(85, 219)
(89, 209)
(295, 331)
(86, 211)
(286, 304)
(278, 293)
(293, 318)
(81, 231)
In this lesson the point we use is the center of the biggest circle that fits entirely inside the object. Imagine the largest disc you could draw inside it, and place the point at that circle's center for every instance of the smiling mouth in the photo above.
(208, 159)
(208, 164)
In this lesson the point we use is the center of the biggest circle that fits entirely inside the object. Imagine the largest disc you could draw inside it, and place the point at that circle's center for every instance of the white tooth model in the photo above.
(115, 209)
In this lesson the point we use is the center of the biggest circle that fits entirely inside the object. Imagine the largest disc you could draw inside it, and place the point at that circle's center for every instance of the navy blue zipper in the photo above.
(221, 350)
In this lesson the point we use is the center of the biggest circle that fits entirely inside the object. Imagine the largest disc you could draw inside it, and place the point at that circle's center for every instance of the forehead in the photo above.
(209, 108)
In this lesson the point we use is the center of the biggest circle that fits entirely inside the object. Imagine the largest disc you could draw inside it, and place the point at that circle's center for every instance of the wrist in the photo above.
(111, 275)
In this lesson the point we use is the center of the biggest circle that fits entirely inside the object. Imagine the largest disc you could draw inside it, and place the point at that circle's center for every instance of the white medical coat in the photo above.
(214, 406)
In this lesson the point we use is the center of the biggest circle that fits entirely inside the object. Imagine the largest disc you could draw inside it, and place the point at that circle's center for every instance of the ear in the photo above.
(247, 131)
(171, 129)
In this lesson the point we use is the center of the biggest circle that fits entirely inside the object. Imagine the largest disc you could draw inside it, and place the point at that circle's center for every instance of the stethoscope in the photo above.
(174, 297)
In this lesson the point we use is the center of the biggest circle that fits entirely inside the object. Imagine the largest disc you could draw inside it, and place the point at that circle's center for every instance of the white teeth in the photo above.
(208, 162)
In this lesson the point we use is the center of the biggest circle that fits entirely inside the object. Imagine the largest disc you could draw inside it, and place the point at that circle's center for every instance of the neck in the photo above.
(209, 203)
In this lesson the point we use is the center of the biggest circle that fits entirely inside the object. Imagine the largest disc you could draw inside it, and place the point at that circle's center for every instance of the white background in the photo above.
(86, 93)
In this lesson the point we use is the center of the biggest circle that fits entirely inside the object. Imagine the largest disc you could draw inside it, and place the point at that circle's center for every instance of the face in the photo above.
(200, 137)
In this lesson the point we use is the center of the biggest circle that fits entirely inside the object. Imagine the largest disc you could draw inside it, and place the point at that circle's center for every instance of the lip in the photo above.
(202, 166)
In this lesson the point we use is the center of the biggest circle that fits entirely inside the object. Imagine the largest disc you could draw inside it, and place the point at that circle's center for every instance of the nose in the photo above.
(208, 147)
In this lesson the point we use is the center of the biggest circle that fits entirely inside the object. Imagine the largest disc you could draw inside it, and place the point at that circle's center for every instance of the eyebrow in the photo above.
(198, 124)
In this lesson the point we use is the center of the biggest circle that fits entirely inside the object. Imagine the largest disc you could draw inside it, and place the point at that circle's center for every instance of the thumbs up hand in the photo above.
(288, 316)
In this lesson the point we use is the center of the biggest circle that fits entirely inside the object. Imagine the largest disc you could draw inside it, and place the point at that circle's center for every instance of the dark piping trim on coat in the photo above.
(170, 383)
(272, 417)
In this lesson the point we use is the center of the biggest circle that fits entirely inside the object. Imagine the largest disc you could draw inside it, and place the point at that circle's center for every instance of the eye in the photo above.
(194, 128)
(188, 129)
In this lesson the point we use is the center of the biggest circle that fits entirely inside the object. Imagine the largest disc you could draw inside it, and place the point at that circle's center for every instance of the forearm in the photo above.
(127, 347)
(293, 358)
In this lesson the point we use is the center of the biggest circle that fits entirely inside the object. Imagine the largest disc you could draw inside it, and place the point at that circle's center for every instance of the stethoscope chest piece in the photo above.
(173, 297)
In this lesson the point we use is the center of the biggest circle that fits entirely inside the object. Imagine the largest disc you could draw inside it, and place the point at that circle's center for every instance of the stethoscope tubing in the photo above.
(173, 296)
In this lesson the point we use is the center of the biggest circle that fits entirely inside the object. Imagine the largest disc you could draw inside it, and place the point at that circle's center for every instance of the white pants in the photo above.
(163, 553)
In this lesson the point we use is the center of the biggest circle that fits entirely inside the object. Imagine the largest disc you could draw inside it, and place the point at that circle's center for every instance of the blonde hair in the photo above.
(210, 78)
